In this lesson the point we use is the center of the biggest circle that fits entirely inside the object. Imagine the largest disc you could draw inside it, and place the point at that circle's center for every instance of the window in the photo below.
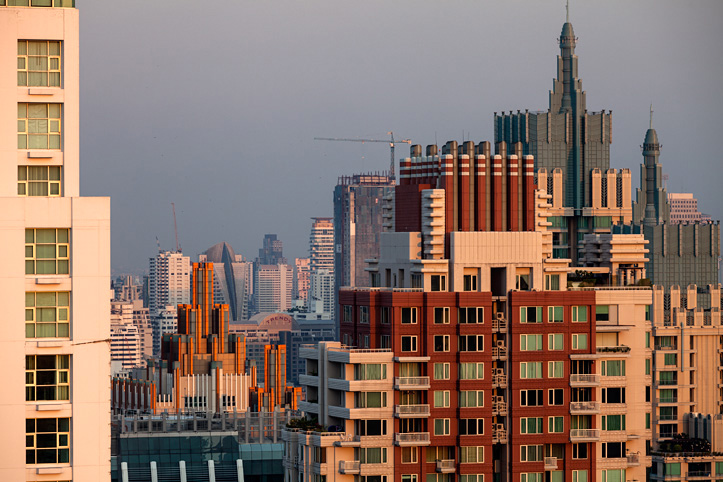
(471, 343)
(471, 371)
(441, 342)
(613, 422)
(579, 341)
(554, 314)
(522, 279)
(347, 314)
(439, 282)
(471, 455)
(471, 426)
(38, 126)
(579, 451)
(602, 313)
(47, 441)
(46, 314)
(552, 282)
(441, 371)
(530, 342)
(319, 455)
(471, 315)
(530, 425)
(613, 395)
(555, 341)
(441, 398)
(409, 343)
(531, 477)
(531, 314)
(470, 282)
(370, 399)
(441, 426)
(530, 370)
(613, 450)
(371, 428)
(555, 369)
(47, 377)
(471, 398)
(579, 475)
(718, 468)
(579, 314)
(670, 359)
(613, 368)
(47, 251)
(370, 371)
(409, 316)
(647, 312)
(364, 314)
(39, 180)
(373, 455)
(410, 455)
(556, 396)
(385, 315)
(441, 316)
(39, 63)
(647, 339)
(613, 475)
(531, 398)
(385, 341)
(416, 280)
(647, 421)
(555, 424)
(472, 478)
(409, 477)
(647, 366)
(530, 453)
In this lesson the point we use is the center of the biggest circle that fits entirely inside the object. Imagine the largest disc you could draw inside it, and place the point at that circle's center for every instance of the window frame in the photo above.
(61, 262)
(60, 310)
(53, 120)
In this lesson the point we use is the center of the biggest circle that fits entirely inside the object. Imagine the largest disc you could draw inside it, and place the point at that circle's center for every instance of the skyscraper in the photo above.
(321, 245)
(54, 351)
(272, 251)
(233, 276)
(169, 285)
(571, 148)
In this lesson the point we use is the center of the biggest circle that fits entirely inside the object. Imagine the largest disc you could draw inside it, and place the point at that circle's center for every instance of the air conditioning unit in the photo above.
(498, 426)
(499, 371)
(499, 399)
(500, 315)
(501, 343)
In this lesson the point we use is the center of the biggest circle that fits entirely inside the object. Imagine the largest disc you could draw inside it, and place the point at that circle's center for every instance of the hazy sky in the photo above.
(214, 104)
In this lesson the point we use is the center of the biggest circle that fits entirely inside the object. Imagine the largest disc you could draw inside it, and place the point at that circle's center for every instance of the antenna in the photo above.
(567, 11)
(158, 243)
(175, 226)
(651, 115)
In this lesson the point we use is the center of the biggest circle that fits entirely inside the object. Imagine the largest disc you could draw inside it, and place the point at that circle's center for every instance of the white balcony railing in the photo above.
(416, 438)
(419, 410)
(584, 407)
(411, 383)
(584, 379)
(349, 466)
(445, 466)
(585, 434)
(550, 463)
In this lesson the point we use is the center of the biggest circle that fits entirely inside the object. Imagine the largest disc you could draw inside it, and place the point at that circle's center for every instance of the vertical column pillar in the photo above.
(497, 193)
(404, 166)
(480, 193)
(182, 470)
(512, 194)
(463, 183)
(528, 182)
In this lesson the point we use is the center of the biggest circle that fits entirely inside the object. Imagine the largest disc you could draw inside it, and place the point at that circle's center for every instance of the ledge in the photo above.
(50, 281)
(44, 91)
(42, 153)
(49, 470)
(49, 407)
(50, 344)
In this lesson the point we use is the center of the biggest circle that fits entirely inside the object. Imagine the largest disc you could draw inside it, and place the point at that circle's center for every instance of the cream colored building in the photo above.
(55, 275)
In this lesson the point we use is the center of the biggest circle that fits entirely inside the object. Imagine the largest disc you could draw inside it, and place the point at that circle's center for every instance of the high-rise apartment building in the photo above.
(321, 245)
(300, 289)
(125, 340)
(272, 251)
(358, 203)
(272, 287)
(169, 280)
(55, 273)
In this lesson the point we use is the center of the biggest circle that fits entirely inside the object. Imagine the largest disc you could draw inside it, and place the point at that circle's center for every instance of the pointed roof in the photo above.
(219, 253)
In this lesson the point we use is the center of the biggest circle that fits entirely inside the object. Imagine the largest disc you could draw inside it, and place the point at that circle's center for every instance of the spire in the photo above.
(567, 12)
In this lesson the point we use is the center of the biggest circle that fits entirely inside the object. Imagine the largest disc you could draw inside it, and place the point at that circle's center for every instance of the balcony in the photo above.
(499, 352)
(550, 463)
(309, 407)
(667, 382)
(411, 439)
(673, 400)
(319, 468)
(666, 347)
(309, 380)
(584, 380)
(698, 474)
(633, 460)
(499, 381)
(499, 325)
(499, 436)
(349, 466)
(359, 355)
(499, 408)
(584, 435)
(581, 408)
(620, 350)
(445, 466)
(411, 383)
(411, 411)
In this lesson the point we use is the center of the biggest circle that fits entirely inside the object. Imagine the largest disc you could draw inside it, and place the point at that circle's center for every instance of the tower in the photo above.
(54, 279)
(651, 206)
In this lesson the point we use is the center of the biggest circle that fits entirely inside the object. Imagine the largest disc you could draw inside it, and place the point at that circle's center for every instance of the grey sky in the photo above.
(214, 104)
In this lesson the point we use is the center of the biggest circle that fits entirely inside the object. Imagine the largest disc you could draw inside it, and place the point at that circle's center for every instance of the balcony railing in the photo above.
(668, 400)
(613, 349)
(499, 352)
(499, 435)
(666, 347)
(38, 3)
(499, 380)
(349, 466)
(698, 473)
(499, 408)
(585, 433)
(419, 410)
(411, 383)
(667, 382)
(550, 463)
(633, 459)
(416, 438)
(584, 407)
(445, 466)
(585, 379)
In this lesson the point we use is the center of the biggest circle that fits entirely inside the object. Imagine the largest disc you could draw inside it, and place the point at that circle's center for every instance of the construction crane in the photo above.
(175, 227)
(391, 142)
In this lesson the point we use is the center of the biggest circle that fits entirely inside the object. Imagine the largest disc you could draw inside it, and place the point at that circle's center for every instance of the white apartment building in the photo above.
(272, 287)
(321, 244)
(55, 275)
(169, 281)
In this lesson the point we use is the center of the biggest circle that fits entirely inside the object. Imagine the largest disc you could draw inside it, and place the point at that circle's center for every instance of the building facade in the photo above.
(233, 279)
(684, 208)
(272, 287)
(55, 275)
(169, 281)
